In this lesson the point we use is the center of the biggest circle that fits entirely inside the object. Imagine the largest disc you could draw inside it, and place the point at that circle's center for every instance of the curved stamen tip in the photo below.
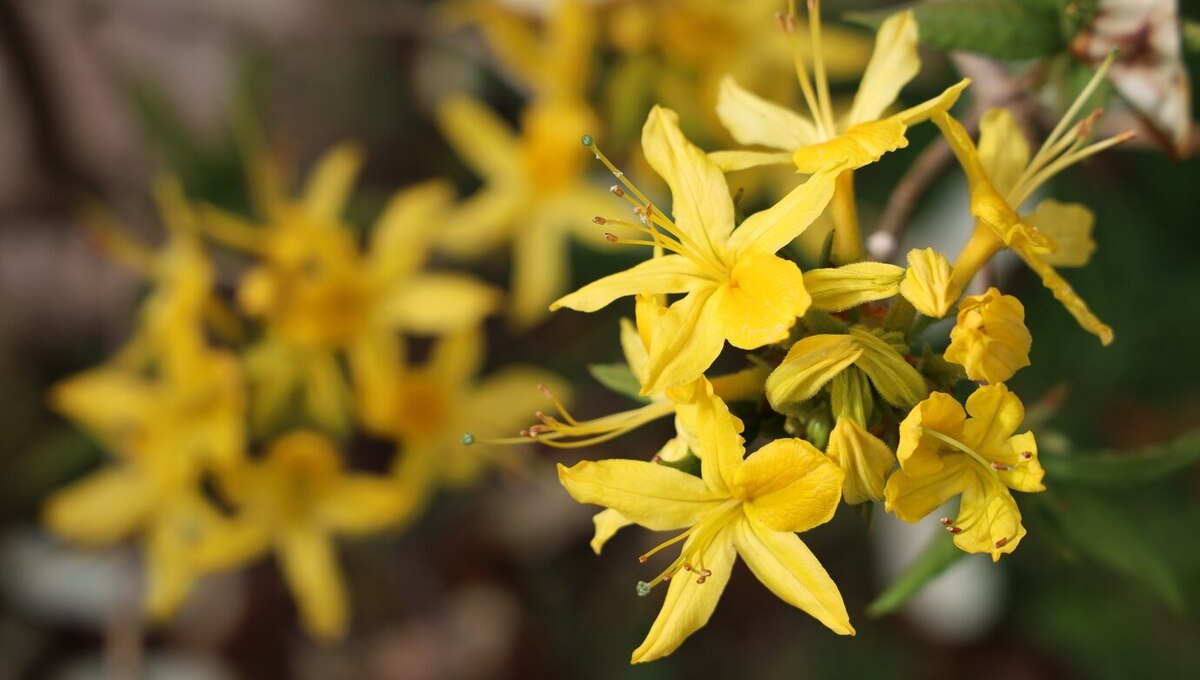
(643, 588)
(468, 439)
(587, 140)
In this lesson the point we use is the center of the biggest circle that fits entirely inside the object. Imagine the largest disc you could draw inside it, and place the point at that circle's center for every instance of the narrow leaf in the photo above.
(1118, 468)
(1005, 29)
(936, 558)
(618, 378)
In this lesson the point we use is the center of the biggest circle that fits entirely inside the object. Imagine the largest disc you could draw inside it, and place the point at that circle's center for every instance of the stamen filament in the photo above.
(814, 27)
(806, 87)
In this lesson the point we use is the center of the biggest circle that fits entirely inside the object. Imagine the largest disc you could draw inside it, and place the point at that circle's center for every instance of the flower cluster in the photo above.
(228, 419)
(838, 358)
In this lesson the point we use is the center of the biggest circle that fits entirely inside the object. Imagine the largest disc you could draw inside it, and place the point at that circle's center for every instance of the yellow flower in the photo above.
(821, 144)
(427, 410)
(927, 283)
(294, 502)
(1002, 178)
(989, 338)
(750, 507)
(944, 454)
(840, 288)
(737, 288)
(319, 296)
(535, 190)
(817, 359)
(864, 458)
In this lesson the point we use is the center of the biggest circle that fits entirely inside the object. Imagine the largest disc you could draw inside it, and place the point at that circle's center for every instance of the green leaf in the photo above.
(619, 378)
(937, 557)
(1096, 527)
(1115, 468)
(1005, 29)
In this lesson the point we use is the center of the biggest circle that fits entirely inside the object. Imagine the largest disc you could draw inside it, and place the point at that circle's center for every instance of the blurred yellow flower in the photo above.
(294, 502)
(319, 295)
(535, 191)
(989, 338)
(1002, 178)
(749, 506)
(428, 408)
(737, 288)
(944, 454)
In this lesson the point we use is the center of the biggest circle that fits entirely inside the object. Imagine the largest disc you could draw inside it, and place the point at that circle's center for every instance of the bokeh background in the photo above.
(498, 581)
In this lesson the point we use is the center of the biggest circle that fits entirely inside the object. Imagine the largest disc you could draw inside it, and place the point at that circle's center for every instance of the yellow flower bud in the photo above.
(927, 283)
(990, 339)
(839, 288)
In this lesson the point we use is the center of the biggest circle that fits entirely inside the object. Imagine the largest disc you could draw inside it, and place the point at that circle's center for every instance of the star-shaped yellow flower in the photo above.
(736, 288)
(320, 296)
(294, 502)
(822, 144)
(749, 506)
(944, 454)
(1003, 177)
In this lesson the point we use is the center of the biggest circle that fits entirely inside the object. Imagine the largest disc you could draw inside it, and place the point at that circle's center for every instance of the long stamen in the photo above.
(961, 447)
(788, 23)
(814, 27)
(644, 557)
(1075, 157)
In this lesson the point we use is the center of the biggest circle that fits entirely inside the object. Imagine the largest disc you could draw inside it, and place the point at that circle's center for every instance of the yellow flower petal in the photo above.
(752, 120)
(896, 380)
(484, 141)
(1003, 149)
(608, 523)
(330, 183)
(809, 365)
(719, 443)
(989, 338)
(540, 261)
(732, 161)
(360, 504)
(762, 300)
(840, 288)
(659, 275)
(1021, 455)
(479, 224)
(310, 568)
(771, 229)
(1064, 293)
(438, 302)
(789, 485)
(102, 508)
(911, 497)
(995, 414)
(893, 63)
(939, 104)
(689, 604)
(1070, 225)
(990, 519)
(700, 200)
(918, 450)
(927, 283)
(402, 234)
(781, 561)
(686, 340)
(654, 496)
(859, 145)
(865, 459)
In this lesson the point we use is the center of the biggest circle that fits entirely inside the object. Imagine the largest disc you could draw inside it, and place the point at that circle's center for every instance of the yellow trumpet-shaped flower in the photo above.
(1002, 177)
(736, 288)
(989, 338)
(821, 144)
(817, 359)
(294, 502)
(320, 296)
(944, 454)
(749, 506)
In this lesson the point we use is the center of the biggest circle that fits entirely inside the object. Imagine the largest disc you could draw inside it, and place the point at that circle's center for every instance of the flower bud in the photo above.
(990, 339)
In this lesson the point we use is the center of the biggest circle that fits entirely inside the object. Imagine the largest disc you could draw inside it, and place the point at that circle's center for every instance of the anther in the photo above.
(787, 23)
(737, 196)
(1001, 467)
(610, 237)
(954, 530)
(1026, 455)
(1002, 542)
(946, 521)
(468, 439)
(704, 574)
(617, 191)
(599, 220)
